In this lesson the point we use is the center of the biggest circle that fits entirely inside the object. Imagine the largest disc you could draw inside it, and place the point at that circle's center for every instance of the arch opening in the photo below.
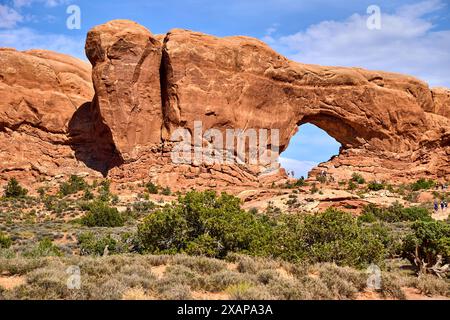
(309, 147)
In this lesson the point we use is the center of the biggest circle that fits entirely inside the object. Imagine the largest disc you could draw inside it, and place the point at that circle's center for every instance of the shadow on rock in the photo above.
(92, 140)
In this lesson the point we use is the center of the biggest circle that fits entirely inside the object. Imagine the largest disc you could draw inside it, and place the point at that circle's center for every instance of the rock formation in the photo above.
(40, 92)
(391, 126)
(126, 60)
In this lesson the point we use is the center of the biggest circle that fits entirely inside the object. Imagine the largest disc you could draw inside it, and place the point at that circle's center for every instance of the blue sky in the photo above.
(414, 37)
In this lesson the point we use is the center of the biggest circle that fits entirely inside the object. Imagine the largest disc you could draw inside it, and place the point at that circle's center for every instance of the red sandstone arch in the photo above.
(390, 126)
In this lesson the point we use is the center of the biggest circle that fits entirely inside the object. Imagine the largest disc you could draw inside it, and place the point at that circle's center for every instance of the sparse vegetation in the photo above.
(73, 185)
(301, 182)
(166, 191)
(14, 190)
(376, 186)
(314, 188)
(357, 178)
(321, 178)
(152, 188)
(422, 184)
(5, 241)
(427, 247)
(185, 277)
(200, 222)
(394, 213)
(100, 214)
(352, 185)
(94, 244)
(268, 254)
(211, 225)
(45, 248)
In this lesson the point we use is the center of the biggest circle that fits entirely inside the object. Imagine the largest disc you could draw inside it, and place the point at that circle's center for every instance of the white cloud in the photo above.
(22, 38)
(47, 3)
(9, 17)
(407, 42)
(300, 168)
(268, 37)
(25, 38)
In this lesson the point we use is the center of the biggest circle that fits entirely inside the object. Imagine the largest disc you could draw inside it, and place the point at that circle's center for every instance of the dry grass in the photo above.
(11, 282)
(142, 277)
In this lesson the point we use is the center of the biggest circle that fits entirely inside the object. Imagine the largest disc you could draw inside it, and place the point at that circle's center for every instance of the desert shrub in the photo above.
(266, 276)
(110, 289)
(321, 178)
(221, 280)
(248, 291)
(182, 292)
(411, 196)
(314, 188)
(88, 195)
(176, 275)
(357, 279)
(352, 185)
(45, 248)
(427, 242)
(202, 265)
(422, 184)
(41, 191)
(49, 283)
(104, 191)
(166, 191)
(431, 285)
(137, 276)
(201, 222)
(14, 190)
(300, 182)
(331, 236)
(357, 178)
(73, 185)
(17, 265)
(144, 206)
(339, 287)
(5, 241)
(91, 244)
(100, 214)
(152, 188)
(391, 287)
(251, 265)
(394, 213)
(375, 186)
(284, 288)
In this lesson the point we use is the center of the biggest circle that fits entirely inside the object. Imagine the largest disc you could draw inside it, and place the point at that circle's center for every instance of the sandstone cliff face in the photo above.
(390, 126)
(242, 83)
(40, 92)
(441, 98)
(126, 60)
(384, 121)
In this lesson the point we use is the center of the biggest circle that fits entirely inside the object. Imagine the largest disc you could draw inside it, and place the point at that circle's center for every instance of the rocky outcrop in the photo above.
(126, 60)
(391, 126)
(40, 92)
(441, 99)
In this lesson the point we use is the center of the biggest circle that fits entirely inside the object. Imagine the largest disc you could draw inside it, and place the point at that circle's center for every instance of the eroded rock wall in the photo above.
(39, 93)
(391, 126)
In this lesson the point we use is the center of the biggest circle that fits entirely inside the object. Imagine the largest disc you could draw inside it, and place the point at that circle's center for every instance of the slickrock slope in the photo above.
(391, 126)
